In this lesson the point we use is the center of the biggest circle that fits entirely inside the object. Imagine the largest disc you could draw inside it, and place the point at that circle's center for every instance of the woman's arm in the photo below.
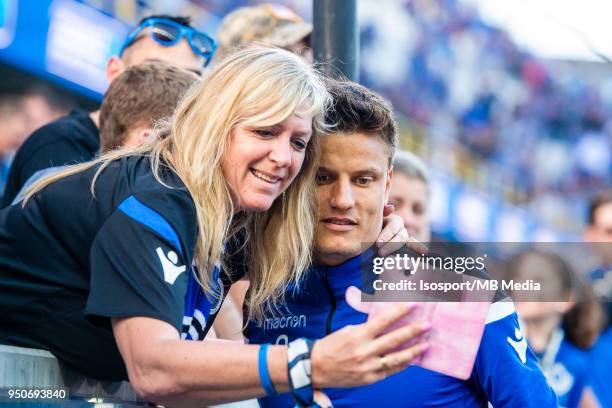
(166, 370)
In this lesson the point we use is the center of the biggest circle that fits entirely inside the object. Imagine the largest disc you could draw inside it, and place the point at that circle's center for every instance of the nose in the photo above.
(343, 197)
(281, 152)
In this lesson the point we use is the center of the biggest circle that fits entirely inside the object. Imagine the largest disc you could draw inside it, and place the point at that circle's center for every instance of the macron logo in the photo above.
(171, 270)
(519, 346)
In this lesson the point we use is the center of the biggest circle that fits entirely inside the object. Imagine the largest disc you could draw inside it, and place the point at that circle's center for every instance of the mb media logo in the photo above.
(169, 265)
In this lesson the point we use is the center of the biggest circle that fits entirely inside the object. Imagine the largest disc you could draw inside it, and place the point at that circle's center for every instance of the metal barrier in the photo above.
(27, 369)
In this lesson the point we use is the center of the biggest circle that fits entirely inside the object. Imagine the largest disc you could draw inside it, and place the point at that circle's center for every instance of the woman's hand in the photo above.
(394, 235)
(362, 354)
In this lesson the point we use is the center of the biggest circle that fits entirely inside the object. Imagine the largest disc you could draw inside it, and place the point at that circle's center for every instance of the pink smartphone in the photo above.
(454, 337)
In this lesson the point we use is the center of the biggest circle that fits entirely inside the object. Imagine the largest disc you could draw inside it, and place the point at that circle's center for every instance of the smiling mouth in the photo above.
(339, 222)
(265, 177)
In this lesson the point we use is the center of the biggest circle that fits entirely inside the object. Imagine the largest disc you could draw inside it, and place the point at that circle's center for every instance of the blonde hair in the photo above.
(253, 87)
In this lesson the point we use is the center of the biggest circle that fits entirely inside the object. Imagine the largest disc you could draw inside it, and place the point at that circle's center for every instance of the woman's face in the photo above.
(410, 198)
(261, 162)
(546, 302)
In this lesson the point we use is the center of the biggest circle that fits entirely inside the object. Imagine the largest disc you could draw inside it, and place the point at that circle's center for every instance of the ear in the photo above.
(136, 137)
(114, 67)
(143, 135)
(388, 183)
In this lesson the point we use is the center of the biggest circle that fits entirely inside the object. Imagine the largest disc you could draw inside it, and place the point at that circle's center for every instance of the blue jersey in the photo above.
(601, 279)
(601, 368)
(601, 353)
(567, 369)
(506, 371)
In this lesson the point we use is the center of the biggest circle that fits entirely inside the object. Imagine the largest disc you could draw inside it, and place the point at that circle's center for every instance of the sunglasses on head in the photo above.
(168, 33)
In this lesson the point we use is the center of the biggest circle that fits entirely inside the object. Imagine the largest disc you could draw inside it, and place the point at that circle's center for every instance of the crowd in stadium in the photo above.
(545, 125)
(232, 153)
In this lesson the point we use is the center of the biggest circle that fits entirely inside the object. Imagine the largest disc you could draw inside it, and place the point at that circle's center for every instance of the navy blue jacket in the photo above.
(506, 376)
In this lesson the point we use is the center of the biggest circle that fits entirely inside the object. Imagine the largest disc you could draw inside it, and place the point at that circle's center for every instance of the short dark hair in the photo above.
(356, 109)
(182, 20)
(141, 95)
(599, 200)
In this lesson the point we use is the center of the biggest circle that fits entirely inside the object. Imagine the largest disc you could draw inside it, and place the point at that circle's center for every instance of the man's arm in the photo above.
(506, 369)
(228, 323)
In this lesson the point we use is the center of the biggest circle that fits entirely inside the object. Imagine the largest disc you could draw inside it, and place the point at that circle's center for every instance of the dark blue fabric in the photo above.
(197, 303)
(601, 368)
(151, 218)
(569, 374)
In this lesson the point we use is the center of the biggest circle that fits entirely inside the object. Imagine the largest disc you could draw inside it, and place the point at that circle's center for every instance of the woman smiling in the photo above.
(95, 263)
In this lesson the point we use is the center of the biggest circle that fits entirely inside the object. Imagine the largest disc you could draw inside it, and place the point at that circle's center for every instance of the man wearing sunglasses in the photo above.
(75, 138)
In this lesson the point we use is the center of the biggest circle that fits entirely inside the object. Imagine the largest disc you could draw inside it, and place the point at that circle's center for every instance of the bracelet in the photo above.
(264, 375)
(299, 371)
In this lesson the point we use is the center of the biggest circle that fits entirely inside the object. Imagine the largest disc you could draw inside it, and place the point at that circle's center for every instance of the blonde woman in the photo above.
(94, 264)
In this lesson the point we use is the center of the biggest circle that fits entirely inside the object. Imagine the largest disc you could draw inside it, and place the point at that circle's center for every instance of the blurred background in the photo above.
(509, 103)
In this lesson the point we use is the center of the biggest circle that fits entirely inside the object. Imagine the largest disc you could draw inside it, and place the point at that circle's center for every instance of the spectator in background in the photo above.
(42, 105)
(599, 232)
(13, 127)
(560, 326)
(524, 128)
(22, 114)
(75, 138)
(268, 24)
(139, 97)
(135, 100)
(410, 194)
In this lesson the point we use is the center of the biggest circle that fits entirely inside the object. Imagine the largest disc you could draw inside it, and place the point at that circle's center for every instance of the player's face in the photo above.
(261, 162)
(353, 184)
(409, 196)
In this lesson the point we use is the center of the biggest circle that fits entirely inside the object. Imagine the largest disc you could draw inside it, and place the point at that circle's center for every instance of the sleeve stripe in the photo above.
(150, 218)
(499, 310)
